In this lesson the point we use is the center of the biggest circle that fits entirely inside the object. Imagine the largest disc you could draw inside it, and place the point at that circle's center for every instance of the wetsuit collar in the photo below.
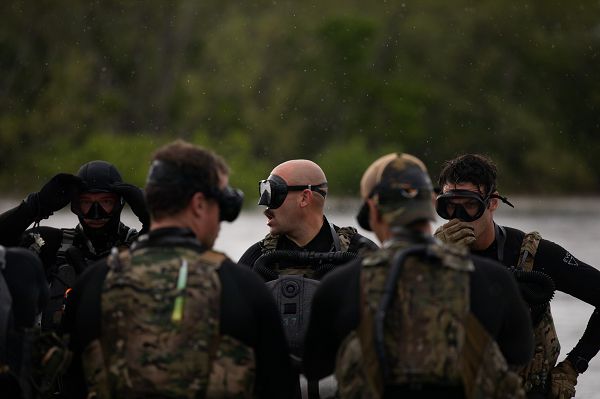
(168, 236)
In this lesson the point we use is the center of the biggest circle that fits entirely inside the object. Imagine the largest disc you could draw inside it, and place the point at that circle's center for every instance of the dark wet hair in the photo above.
(193, 169)
(470, 168)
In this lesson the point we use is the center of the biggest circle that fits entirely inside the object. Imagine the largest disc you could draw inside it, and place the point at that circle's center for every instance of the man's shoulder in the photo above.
(240, 275)
(490, 269)
(356, 241)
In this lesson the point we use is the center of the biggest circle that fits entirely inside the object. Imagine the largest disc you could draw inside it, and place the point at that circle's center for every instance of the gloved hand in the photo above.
(563, 379)
(54, 195)
(456, 232)
(134, 196)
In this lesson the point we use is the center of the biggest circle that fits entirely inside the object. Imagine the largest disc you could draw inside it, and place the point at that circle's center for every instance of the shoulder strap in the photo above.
(269, 243)
(344, 237)
(5, 305)
(528, 250)
(118, 259)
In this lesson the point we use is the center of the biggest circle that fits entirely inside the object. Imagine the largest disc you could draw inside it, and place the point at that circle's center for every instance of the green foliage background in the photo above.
(339, 82)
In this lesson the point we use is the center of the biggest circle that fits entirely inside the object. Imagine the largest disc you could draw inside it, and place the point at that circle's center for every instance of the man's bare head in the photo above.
(300, 215)
(300, 171)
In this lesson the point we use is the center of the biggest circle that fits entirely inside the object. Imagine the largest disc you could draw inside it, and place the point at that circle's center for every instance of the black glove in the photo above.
(54, 195)
(134, 196)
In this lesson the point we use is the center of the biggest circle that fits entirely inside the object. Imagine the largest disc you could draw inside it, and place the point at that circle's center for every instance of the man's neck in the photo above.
(307, 231)
(486, 239)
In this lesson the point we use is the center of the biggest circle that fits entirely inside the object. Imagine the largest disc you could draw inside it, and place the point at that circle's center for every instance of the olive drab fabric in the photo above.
(153, 347)
(547, 347)
(430, 336)
(269, 243)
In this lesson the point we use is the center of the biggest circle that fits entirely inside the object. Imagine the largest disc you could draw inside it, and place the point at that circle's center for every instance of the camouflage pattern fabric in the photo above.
(144, 351)
(269, 243)
(233, 371)
(430, 336)
(536, 373)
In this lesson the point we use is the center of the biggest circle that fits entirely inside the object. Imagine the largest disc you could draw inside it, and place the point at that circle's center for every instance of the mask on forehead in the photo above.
(464, 205)
(273, 191)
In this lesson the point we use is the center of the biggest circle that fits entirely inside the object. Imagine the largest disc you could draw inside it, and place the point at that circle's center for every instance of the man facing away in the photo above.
(173, 318)
(416, 318)
(469, 199)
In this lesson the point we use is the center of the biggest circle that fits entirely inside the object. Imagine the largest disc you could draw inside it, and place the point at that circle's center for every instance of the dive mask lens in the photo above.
(464, 205)
(264, 192)
(272, 191)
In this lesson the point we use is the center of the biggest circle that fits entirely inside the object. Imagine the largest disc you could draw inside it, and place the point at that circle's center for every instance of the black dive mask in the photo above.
(96, 210)
(230, 203)
(272, 192)
(464, 205)
(230, 199)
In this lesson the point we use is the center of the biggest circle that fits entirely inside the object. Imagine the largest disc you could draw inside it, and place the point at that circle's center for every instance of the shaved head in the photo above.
(300, 171)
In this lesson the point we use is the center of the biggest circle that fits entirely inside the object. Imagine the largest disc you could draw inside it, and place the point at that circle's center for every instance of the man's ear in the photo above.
(493, 203)
(197, 203)
(306, 198)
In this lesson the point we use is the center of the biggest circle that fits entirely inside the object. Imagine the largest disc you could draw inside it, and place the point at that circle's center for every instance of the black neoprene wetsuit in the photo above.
(14, 222)
(570, 275)
(322, 242)
(494, 297)
(27, 285)
(247, 313)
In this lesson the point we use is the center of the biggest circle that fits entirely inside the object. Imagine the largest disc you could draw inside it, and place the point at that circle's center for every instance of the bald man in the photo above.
(294, 195)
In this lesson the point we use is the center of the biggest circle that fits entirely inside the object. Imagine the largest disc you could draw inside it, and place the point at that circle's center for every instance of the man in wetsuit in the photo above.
(97, 195)
(172, 317)
(294, 194)
(416, 318)
(23, 294)
(468, 200)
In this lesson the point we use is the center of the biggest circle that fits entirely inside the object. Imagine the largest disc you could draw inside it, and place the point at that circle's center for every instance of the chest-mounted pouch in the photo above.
(293, 295)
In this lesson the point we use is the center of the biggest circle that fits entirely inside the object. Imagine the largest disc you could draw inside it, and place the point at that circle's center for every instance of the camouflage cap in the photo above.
(402, 188)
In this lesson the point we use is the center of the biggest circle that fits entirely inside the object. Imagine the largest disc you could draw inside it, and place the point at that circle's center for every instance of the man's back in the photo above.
(493, 297)
(245, 317)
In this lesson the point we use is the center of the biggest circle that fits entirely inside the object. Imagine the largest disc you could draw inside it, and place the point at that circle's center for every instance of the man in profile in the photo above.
(416, 318)
(294, 195)
(172, 317)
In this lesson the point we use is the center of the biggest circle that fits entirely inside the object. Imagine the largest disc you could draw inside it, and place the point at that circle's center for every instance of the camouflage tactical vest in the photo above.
(430, 336)
(160, 318)
(343, 236)
(547, 347)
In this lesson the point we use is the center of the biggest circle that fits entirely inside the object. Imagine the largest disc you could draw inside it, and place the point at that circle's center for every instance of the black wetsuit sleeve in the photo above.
(26, 282)
(334, 314)
(82, 323)
(13, 224)
(251, 255)
(249, 314)
(578, 279)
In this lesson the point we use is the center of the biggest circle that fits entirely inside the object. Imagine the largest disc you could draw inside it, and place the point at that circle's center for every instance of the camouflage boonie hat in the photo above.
(402, 188)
